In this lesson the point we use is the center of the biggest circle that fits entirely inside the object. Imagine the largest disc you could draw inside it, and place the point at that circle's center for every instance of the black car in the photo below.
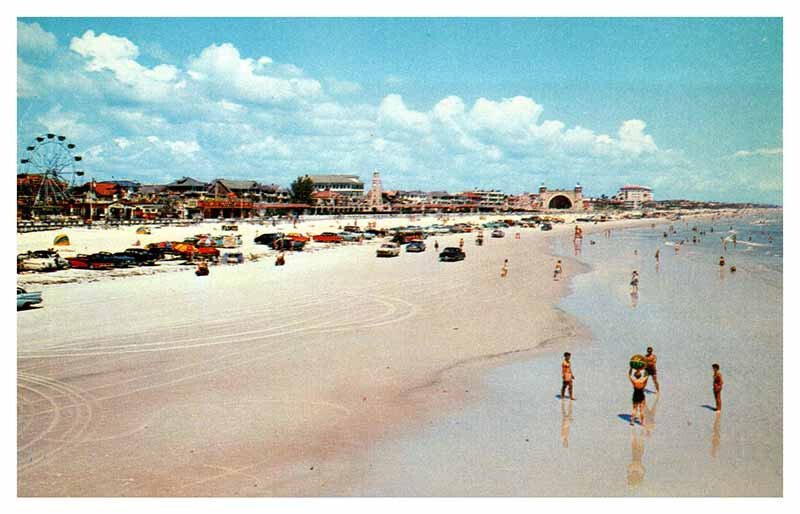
(452, 253)
(286, 243)
(268, 239)
(144, 257)
(117, 260)
(546, 226)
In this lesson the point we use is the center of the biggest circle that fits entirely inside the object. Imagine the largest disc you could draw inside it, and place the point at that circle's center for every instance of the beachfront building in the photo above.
(487, 199)
(346, 185)
(185, 185)
(633, 197)
(561, 199)
(521, 202)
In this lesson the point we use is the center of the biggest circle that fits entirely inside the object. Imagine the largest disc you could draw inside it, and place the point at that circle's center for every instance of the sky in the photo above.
(689, 106)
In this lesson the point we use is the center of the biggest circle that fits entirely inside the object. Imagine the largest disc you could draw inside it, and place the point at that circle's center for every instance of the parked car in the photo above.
(83, 261)
(268, 239)
(498, 233)
(41, 260)
(233, 258)
(452, 253)
(328, 237)
(546, 226)
(143, 257)
(388, 250)
(298, 237)
(286, 243)
(207, 252)
(350, 236)
(26, 299)
(119, 260)
(417, 245)
(352, 228)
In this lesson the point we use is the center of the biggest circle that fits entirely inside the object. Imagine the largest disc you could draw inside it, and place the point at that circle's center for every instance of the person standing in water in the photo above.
(650, 367)
(639, 381)
(717, 387)
(557, 271)
(635, 282)
(721, 261)
(566, 376)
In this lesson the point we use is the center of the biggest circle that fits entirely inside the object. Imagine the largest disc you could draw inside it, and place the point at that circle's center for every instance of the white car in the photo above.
(41, 260)
(389, 250)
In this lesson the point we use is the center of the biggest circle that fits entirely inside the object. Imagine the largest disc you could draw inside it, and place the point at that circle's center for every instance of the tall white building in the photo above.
(346, 185)
(634, 196)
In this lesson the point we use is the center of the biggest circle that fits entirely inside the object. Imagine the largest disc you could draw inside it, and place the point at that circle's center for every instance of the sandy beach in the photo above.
(292, 381)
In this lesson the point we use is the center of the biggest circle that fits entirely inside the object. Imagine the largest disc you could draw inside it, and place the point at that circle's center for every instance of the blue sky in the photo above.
(691, 107)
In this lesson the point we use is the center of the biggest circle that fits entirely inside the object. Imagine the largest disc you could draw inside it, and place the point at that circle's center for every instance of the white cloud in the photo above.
(183, 148)
(269, 146)
(395, 113)
(34, 39)
(122, 142)
(342, 87)
(222, 68)
(510, 115)
(759, 152)
(69, 124)
(633, 139)
(118, 55)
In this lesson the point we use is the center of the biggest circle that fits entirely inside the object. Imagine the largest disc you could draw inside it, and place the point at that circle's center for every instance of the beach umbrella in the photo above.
(61, 240)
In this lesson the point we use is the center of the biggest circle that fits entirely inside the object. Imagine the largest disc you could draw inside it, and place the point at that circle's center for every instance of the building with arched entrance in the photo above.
(561, 199)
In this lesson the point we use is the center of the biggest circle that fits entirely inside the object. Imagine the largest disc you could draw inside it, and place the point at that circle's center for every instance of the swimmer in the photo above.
(639, 381)
(721, 261)
(733, 269)
(557, 271)
(650, 367)
(566, 375)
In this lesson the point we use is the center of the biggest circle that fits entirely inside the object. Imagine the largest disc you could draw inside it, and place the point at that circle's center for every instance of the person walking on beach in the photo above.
(436, 245)
(566, 376)
(650, 367)
(635, 282)
(717, 387)
(639, 381)
(557, 271)
(504, 269)
(721, 261)
(461, 243)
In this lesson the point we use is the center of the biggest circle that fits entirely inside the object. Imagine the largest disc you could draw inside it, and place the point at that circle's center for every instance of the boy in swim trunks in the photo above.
(639, 381)
(650, 367)
(566, 375)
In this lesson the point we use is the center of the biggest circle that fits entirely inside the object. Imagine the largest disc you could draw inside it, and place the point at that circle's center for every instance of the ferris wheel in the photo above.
(50, 158)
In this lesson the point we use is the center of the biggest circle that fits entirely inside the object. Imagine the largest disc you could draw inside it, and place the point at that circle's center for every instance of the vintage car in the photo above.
(388, 250)
(233, 258)
(416, 245)
(118, 259)
(144, 257)
(546, 226)
(350, 236)
(41, 260)
(93, 261)
(26, 299)
(268, 239)
(498, 233)
(298, 237)
(452, 253)
(286, 243)
(328, 237)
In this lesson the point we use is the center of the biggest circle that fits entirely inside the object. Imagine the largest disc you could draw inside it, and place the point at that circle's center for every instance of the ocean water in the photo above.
(523, 440)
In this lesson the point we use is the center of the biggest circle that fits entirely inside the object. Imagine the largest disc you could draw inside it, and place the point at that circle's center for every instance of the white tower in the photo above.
(375, 194)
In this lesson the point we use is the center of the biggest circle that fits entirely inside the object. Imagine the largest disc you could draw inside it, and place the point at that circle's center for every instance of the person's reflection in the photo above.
(650, 413)
(577, 245)
(715, 436)
(635, 468)
(634, 300)
(566, 419)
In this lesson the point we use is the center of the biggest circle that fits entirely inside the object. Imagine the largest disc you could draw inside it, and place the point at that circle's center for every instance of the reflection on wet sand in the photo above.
(635, 468)
(566, 419)
(715, 435)
(634, 300)
(650, 413)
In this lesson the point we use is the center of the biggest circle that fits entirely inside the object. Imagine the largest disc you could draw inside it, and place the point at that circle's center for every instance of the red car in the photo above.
(328, 237)
(82, 261)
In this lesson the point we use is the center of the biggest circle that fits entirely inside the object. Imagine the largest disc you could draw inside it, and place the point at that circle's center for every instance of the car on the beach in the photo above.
(26, 299)
(298, 237)
(41, 260)
(498, 233)
(327, 237)
(233, 258)
(268, 239)
(452, 253)
(546, 226)
(350, 236)
(286, 243)
(143, 256)
(83, 261)
(415, 245)
(388, 250)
